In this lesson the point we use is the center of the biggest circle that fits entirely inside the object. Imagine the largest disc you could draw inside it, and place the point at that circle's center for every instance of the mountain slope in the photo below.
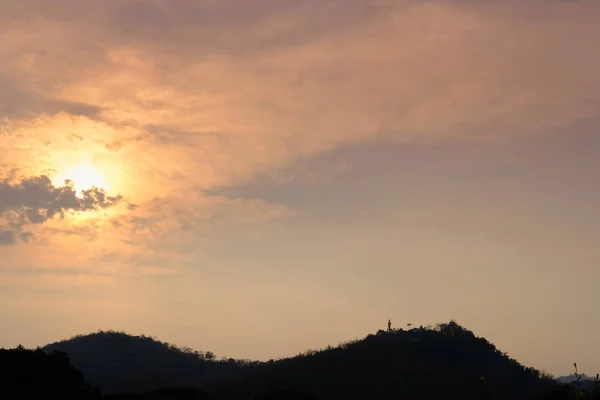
(572, 378)
(118, 362)
(449, 362)
(446, 362)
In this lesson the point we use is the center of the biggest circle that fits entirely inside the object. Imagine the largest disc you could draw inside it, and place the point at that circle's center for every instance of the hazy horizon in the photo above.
(270, 176)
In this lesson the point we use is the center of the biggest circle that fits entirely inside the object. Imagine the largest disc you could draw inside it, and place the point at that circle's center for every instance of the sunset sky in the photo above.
(261, 177)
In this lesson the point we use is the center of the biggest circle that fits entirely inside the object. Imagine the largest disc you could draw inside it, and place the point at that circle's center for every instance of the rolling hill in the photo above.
(118, 362)
(447, 362)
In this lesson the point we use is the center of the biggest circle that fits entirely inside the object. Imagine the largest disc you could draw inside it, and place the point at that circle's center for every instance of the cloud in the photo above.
(173, 99)
(20, 102)
(235, 90)
(35, 200)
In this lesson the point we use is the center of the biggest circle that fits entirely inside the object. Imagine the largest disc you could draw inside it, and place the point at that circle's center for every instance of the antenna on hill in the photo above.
(389, 325)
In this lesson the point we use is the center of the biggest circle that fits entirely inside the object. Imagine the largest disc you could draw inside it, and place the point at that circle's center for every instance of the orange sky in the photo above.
(277, 175)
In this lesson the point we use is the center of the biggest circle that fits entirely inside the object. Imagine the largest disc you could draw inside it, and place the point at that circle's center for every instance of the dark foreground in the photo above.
(445, 362)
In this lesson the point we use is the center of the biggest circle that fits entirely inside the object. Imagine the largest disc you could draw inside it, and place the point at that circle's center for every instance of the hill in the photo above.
(585, 384)
(118, 362)
(583, 378)
(447, 362)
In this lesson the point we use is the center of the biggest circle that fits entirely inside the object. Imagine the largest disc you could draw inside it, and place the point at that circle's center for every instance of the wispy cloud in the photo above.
(172, 99)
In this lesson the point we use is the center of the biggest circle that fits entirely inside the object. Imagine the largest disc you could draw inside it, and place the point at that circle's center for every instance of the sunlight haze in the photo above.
(83, 177)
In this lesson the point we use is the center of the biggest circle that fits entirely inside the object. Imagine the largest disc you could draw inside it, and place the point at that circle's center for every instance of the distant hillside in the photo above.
(588, 386)
(118, 362)
(572, 378)
(445, 362)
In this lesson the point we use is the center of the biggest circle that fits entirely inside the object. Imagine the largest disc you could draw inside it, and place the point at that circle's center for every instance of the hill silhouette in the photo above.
(447, 361)
(118, 362)
(585, 379)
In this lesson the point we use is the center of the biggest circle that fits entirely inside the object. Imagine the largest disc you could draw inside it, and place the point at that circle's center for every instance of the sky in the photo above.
(258, 178)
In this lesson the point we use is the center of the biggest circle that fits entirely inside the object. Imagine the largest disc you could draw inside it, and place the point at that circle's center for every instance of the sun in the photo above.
(83, 177)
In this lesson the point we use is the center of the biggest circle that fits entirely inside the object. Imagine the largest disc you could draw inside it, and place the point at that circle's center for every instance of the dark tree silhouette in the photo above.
(34, 374)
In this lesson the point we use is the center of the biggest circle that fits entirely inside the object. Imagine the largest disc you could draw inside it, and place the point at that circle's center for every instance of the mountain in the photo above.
(443, 363)
(572, 378)
(118, 362)
(585, 383)
(446, 362)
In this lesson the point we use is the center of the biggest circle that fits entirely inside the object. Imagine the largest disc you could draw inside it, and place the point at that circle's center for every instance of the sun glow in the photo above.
(83, 177)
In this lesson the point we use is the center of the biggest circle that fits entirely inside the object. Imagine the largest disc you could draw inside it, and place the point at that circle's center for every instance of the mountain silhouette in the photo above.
(118, 362)
(444, 362)
(572, 378)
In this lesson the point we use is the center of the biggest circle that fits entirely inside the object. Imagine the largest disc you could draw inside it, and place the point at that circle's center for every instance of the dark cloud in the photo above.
(35, 200)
